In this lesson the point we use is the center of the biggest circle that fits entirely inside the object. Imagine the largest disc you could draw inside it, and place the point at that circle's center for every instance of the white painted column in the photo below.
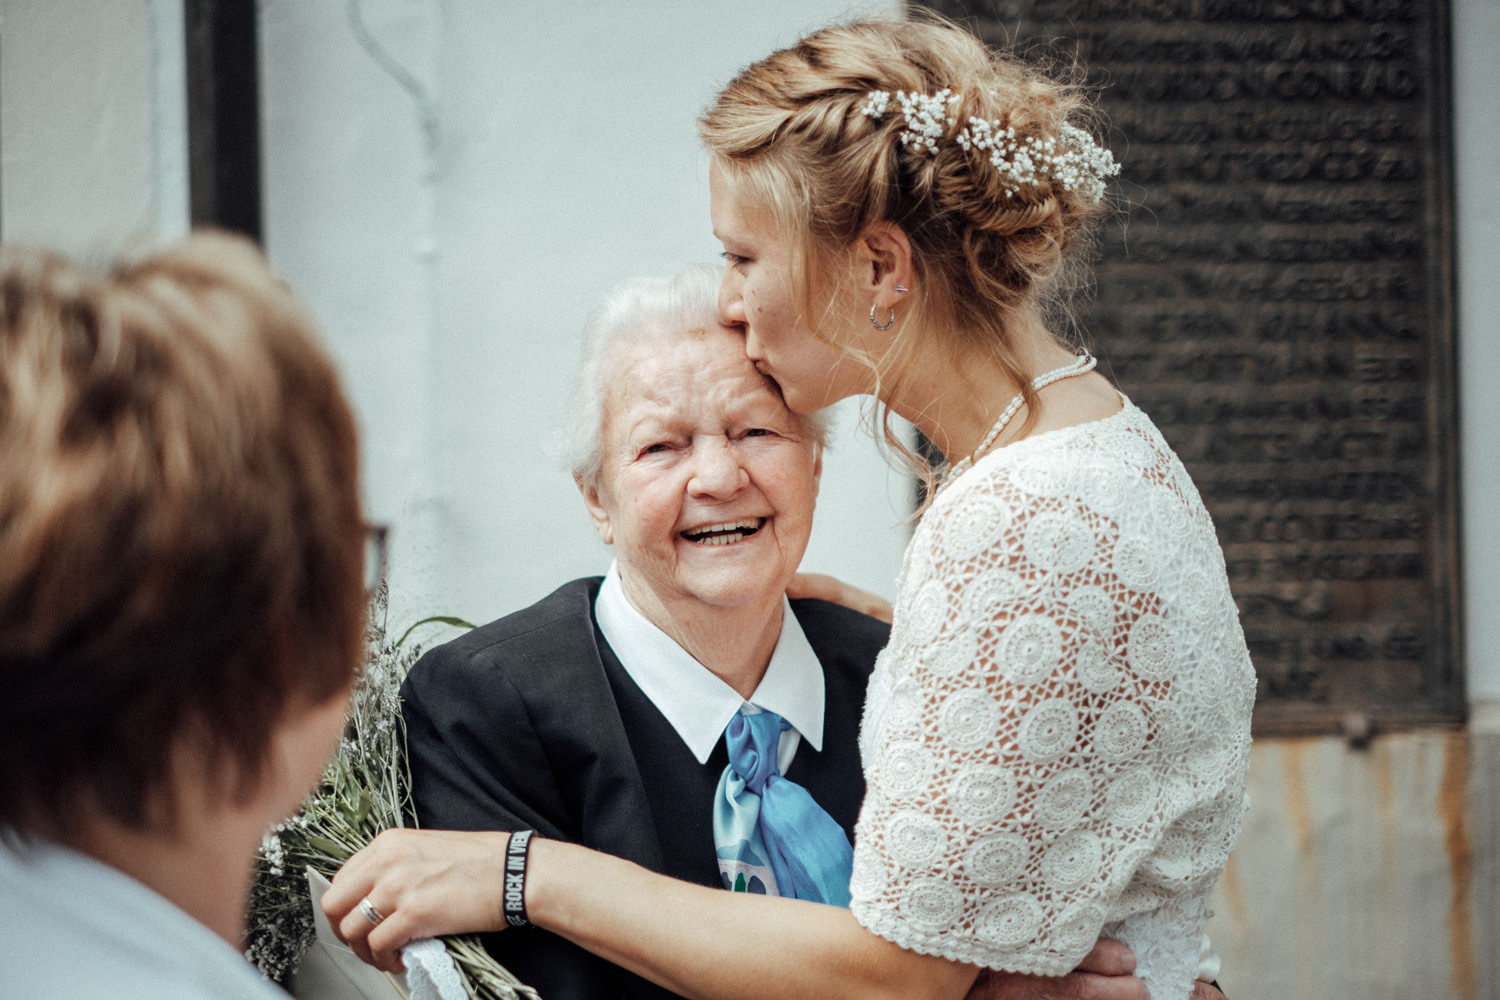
(1476, 81)
(1476, 160)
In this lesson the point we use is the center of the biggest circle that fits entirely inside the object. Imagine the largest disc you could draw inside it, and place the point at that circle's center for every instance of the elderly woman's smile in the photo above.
(724, 534)
(707, 482)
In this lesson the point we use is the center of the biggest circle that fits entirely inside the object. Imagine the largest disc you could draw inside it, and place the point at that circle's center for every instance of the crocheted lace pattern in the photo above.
(1057, 736)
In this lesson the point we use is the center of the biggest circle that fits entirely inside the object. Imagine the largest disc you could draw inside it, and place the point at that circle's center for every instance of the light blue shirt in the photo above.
(73, 928)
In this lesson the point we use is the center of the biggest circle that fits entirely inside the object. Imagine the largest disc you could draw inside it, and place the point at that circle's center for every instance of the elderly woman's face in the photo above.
(708, 482)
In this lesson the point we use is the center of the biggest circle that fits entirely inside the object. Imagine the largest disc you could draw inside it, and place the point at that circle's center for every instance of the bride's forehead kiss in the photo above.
(676, 395)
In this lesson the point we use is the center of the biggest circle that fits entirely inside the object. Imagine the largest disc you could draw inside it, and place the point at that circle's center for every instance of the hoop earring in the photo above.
(888, 323)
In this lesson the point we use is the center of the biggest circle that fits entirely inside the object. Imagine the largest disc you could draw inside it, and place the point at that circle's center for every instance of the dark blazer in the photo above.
(530, 722)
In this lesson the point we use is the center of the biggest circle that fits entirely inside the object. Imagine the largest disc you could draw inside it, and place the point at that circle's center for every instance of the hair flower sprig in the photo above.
(927, 119)
(875, 104)
(1072, 159)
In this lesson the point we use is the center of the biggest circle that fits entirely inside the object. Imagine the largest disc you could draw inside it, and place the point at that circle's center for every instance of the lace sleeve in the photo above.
(1033, 752)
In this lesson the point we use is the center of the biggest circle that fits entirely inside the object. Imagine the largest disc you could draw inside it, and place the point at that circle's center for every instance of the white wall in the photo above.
(1476, 73)
(93, 134)
(452, 231)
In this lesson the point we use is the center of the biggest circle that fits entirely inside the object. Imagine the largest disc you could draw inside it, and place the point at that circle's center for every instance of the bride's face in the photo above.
(757, 296)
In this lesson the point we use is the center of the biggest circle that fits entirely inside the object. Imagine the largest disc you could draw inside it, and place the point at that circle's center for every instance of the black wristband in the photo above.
(517, 852)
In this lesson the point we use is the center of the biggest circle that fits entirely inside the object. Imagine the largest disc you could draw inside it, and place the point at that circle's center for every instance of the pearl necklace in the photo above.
(1085, 362)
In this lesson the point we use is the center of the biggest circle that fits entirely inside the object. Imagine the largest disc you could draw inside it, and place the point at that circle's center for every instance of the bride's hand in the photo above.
(829, 588)
(421, 883)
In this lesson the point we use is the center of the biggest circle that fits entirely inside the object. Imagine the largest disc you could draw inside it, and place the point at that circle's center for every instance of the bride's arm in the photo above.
(707, 943)
(694, 940)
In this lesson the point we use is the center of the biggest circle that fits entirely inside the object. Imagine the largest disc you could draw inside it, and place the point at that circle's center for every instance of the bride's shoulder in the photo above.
(1077, 401)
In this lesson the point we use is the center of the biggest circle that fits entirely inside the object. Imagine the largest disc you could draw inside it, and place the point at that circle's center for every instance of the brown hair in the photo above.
(790, 130)
(181, 538)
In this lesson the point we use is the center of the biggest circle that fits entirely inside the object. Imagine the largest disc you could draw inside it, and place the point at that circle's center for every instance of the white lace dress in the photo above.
(1056, 738)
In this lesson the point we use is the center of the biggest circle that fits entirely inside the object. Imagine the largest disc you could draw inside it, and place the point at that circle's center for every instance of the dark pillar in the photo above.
(223, 115)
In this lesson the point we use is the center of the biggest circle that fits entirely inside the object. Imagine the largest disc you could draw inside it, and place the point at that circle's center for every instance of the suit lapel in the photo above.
(678, 790)
(598, 769)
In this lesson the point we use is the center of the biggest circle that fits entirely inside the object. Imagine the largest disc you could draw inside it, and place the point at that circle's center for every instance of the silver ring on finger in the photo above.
(371, 914)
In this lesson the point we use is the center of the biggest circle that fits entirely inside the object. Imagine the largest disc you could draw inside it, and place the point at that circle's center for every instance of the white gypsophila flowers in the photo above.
(927, 119)
(927, 116)
(1072, 159)
(876, 103)
(270, 849)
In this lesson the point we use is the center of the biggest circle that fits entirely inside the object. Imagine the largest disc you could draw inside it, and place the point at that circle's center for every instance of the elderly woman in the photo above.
(599, 714)
(182, 610)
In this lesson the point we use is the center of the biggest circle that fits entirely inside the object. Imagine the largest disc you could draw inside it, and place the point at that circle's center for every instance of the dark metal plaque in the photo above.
(1276, 293)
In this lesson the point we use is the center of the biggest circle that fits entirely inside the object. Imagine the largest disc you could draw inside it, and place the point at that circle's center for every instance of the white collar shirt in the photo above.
(696, 703)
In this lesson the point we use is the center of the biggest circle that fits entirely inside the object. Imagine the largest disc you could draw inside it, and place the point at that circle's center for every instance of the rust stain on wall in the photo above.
(1233, 897)
(1379, 770)
(1452, 807)
(1298, 809)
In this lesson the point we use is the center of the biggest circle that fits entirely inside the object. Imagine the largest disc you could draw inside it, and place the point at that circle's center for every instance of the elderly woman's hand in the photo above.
(420, 884)
(828, 588)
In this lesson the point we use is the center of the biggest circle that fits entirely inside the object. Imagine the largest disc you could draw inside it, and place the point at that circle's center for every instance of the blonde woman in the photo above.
(1056, 738)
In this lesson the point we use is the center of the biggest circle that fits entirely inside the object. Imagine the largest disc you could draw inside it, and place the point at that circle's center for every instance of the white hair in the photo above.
(637, 310)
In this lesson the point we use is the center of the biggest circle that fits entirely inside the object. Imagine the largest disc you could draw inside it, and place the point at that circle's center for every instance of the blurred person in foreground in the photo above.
(182, 609)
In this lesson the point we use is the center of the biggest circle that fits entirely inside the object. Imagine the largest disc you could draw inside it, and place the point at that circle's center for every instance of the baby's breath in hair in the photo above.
(927, 119)
(1071, 159)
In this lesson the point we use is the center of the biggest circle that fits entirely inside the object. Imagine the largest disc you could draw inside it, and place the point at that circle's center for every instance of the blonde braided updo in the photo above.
(796, 132)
